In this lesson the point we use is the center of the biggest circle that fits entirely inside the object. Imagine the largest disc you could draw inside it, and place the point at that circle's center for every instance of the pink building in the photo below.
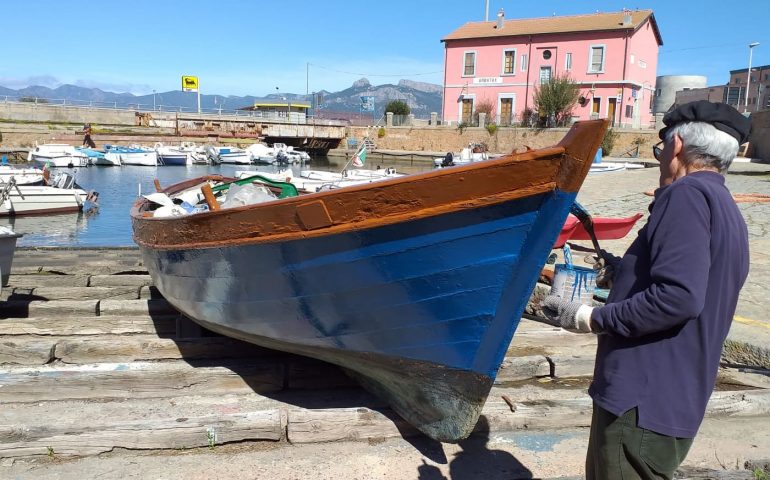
(612, 56)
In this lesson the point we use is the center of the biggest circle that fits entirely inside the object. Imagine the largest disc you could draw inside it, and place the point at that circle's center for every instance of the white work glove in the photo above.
(571, 316)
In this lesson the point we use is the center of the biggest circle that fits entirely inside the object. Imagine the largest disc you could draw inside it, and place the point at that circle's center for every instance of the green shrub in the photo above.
(381, 132)
(608, 142)
(555, 99)
(398, 107)
(492, 128)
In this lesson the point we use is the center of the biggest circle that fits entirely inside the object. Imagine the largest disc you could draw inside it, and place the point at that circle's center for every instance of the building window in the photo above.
(545, 75)
(509, 62)
(523, 63)
(568, 62)
(469, 66)
(767, 77)
(642, 64)
(629, 111)
(546, 54)
(596, 62)
(631, 59)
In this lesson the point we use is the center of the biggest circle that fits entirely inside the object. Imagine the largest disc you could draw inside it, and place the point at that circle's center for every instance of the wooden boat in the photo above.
(415, 285)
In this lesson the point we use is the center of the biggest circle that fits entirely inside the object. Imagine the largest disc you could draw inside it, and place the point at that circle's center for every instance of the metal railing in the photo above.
(283, 117)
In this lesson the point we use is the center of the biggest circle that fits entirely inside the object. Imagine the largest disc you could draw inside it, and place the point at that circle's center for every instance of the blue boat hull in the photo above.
(413, 309)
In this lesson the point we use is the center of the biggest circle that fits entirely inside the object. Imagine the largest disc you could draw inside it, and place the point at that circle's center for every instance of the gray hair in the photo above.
(704, 145)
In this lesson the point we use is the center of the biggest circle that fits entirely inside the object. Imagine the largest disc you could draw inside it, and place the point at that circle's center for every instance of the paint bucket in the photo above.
(575, 284)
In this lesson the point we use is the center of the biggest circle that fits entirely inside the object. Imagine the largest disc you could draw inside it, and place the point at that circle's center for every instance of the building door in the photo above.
(596, 106)
(467, 110)
(506, 111)
(612, 103)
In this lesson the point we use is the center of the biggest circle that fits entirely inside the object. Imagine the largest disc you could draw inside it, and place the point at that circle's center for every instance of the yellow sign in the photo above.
(189, 84)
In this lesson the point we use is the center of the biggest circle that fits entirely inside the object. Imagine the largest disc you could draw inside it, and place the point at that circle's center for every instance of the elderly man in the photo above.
(673, 298)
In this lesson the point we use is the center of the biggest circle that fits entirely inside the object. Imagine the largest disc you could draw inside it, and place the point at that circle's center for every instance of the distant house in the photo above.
(294, 112)
(613, 56)
(759, 89)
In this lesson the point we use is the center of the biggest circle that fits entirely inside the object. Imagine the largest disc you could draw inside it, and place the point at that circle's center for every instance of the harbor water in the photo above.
(109, 225)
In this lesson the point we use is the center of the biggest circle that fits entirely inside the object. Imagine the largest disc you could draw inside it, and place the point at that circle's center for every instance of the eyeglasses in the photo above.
(657, 150)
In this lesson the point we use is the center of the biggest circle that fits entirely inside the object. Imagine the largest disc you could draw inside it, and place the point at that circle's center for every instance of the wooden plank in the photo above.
(76, 293)
(90, 325)
(345, 424)
(41, 280)
(120, 280)
(174, 432)
(307, 373)
(26, 350)
(556, 410)
(156, 306)
(571, 366)
(42, 308)
(146, 292)
(143, 347)
(137, 380)
(522, 368)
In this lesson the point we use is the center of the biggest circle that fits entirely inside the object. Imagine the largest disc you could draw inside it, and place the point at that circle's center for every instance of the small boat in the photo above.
(57, 155)
(605, 167)
(217, 155)
(96, 157)
(61, 194)
(22, 176)
(605, 228)
(415, 284)
(474, 152)
(317, 180)
(173, 156)
(131, 155)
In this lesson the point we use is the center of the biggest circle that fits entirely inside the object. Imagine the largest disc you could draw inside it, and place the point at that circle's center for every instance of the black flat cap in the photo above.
(720, 115)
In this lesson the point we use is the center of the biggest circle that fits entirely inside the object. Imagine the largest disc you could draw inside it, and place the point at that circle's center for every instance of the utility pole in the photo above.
(486, 12)
(307, 78)
(748, 78)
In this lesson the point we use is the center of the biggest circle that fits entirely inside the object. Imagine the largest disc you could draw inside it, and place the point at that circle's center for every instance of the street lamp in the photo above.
(748, 77)
(153, 100)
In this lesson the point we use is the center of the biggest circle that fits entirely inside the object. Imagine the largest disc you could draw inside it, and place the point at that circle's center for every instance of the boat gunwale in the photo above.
(386, 202)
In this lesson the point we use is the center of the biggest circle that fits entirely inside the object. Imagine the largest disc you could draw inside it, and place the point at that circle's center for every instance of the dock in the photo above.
(99, 372)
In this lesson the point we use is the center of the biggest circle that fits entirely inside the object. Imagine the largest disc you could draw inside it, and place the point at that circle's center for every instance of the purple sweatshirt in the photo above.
(671, 305)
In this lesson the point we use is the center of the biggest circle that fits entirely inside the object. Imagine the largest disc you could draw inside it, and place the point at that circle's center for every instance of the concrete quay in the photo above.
(102, 377)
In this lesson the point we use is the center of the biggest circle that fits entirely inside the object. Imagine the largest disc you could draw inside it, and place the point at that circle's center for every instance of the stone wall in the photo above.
(759, 140)
(504, 140)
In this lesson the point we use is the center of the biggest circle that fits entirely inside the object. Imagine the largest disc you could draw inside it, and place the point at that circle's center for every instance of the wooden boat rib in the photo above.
(415, 285)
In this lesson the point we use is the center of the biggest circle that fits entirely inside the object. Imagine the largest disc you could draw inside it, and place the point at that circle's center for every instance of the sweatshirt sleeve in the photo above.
(679, 236)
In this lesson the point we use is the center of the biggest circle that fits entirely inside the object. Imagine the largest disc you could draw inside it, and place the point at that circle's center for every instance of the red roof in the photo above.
(594, 22)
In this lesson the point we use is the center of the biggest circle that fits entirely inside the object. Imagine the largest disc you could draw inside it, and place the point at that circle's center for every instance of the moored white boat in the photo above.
(61, 195)
(23, 176)
(57, 155)
(132, 155)
(469, 154)
(233, 155)
(173, 156)
(97, 158)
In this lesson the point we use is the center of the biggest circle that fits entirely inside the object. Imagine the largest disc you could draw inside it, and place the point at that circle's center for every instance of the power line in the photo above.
(402, 75)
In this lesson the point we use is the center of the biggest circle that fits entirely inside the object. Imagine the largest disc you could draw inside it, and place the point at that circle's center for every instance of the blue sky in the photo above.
(251, 47)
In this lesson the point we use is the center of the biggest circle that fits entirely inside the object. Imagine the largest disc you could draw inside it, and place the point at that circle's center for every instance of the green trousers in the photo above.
(618, 449)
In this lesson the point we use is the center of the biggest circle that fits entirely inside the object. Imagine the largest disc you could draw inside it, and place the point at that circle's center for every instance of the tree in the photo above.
(555, 99)
(398, 107)
(484, 106)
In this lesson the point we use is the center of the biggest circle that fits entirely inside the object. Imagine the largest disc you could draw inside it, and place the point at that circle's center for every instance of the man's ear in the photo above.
(677, 146)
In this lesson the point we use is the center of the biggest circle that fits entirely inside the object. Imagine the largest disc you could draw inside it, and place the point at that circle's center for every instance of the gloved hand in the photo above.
(606, 266)
(572, 316)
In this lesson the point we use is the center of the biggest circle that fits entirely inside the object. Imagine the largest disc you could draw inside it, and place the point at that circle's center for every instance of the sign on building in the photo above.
(189, 84)
(367, 103)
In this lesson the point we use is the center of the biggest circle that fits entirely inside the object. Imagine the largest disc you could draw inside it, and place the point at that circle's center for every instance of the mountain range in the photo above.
(422, 98)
